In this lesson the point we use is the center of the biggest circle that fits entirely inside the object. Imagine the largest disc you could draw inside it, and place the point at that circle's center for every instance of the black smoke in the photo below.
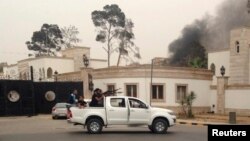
(210, 32)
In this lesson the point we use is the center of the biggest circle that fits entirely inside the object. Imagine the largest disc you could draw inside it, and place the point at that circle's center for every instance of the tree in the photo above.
(197, 62)
(108, 21)
(187, 104)
(47, 41)
(182, 56)
(70, 36)
(126, 44)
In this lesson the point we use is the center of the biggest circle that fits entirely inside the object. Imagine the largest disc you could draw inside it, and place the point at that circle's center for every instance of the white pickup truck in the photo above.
(122, 110)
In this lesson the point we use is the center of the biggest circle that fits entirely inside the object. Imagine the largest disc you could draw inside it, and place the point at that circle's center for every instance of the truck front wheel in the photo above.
(94, 126)
(160, 126)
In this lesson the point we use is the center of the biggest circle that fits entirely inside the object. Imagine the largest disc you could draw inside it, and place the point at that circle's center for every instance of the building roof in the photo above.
(44, 57)
(75, 47)
(243, 26)
(217, 50)
(144, 71)
(11, 65)
(102, 60)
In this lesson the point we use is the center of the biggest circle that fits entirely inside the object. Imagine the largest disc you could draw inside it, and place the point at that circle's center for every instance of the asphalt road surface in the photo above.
(43, 128)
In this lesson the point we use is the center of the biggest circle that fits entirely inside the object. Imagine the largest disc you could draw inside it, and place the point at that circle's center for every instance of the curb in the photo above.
(197, 123)
(193, 123)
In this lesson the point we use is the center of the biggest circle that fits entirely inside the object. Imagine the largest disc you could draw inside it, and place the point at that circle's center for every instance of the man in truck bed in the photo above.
(97, 98)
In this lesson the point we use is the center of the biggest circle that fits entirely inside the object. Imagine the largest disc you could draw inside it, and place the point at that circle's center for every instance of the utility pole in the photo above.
(248, 6)
(151, 81)
(31, 73)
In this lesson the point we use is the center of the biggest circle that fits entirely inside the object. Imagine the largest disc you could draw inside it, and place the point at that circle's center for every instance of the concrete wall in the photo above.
(59, 64)
(213, 99)
(10, 72)
(238, 99)
(98, 63)
(219, 58)
(56, 64)
(239, 61)
(77, 54)
(23, 69)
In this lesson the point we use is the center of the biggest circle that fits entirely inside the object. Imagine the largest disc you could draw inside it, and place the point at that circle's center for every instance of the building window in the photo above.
(131, 90)
(237, 46)
(158, 92)
(110, 87)
(181, 92)
(49, 72)
(212, 68)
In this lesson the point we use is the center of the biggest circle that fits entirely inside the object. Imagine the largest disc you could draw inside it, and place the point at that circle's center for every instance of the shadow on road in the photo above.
(61, 118)
(118, 132)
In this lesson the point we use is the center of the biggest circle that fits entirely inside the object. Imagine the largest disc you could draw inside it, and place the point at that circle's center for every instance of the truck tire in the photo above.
(160, 126)
(94, 126)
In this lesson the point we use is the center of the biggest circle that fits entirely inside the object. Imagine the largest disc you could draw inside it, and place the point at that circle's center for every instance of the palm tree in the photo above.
(189, 99)
(197, 62)
(187, 103)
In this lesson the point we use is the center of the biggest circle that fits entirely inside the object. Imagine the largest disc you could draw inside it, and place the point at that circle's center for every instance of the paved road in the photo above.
(42, 128)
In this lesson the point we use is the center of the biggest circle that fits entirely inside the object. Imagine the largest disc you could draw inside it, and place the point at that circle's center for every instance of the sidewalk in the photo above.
(211, 119)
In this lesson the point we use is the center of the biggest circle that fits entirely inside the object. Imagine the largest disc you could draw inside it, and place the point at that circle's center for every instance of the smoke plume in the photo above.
(211, 32)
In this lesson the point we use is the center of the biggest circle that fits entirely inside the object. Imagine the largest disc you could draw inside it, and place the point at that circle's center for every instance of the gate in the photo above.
(47, 94)
(24, 97)
(16, 97)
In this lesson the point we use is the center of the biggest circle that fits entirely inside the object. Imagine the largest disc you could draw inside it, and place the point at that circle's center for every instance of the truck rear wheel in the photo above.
(94, 126)
(160, 126)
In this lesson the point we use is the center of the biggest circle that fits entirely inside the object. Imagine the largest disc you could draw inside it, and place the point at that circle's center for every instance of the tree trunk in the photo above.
(119, 58)
(184, 108)
(108, 55)
(109, 30)
(190, 113)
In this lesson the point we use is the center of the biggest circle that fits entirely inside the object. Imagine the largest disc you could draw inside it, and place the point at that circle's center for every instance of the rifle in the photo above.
(111, 92)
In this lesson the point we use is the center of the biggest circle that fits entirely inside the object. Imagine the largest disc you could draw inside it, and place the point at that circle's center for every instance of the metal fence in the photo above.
(24, 97)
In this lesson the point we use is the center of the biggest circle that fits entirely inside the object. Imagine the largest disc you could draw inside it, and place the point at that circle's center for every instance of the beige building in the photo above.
(2, 75)
(170, 84)
(217, 93)
(232, 92)
(45, 67)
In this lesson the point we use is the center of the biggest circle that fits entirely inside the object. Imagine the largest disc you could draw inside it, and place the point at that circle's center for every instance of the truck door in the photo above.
(138, 112)
(117, 111)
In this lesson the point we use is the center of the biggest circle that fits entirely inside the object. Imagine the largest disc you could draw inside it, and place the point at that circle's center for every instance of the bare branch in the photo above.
(105, 49)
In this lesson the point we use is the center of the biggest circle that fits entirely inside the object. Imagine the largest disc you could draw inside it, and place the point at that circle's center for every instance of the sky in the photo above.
(156, 23)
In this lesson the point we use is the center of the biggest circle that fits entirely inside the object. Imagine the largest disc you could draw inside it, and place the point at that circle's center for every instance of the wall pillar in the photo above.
(85, 77)
(222, 83)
